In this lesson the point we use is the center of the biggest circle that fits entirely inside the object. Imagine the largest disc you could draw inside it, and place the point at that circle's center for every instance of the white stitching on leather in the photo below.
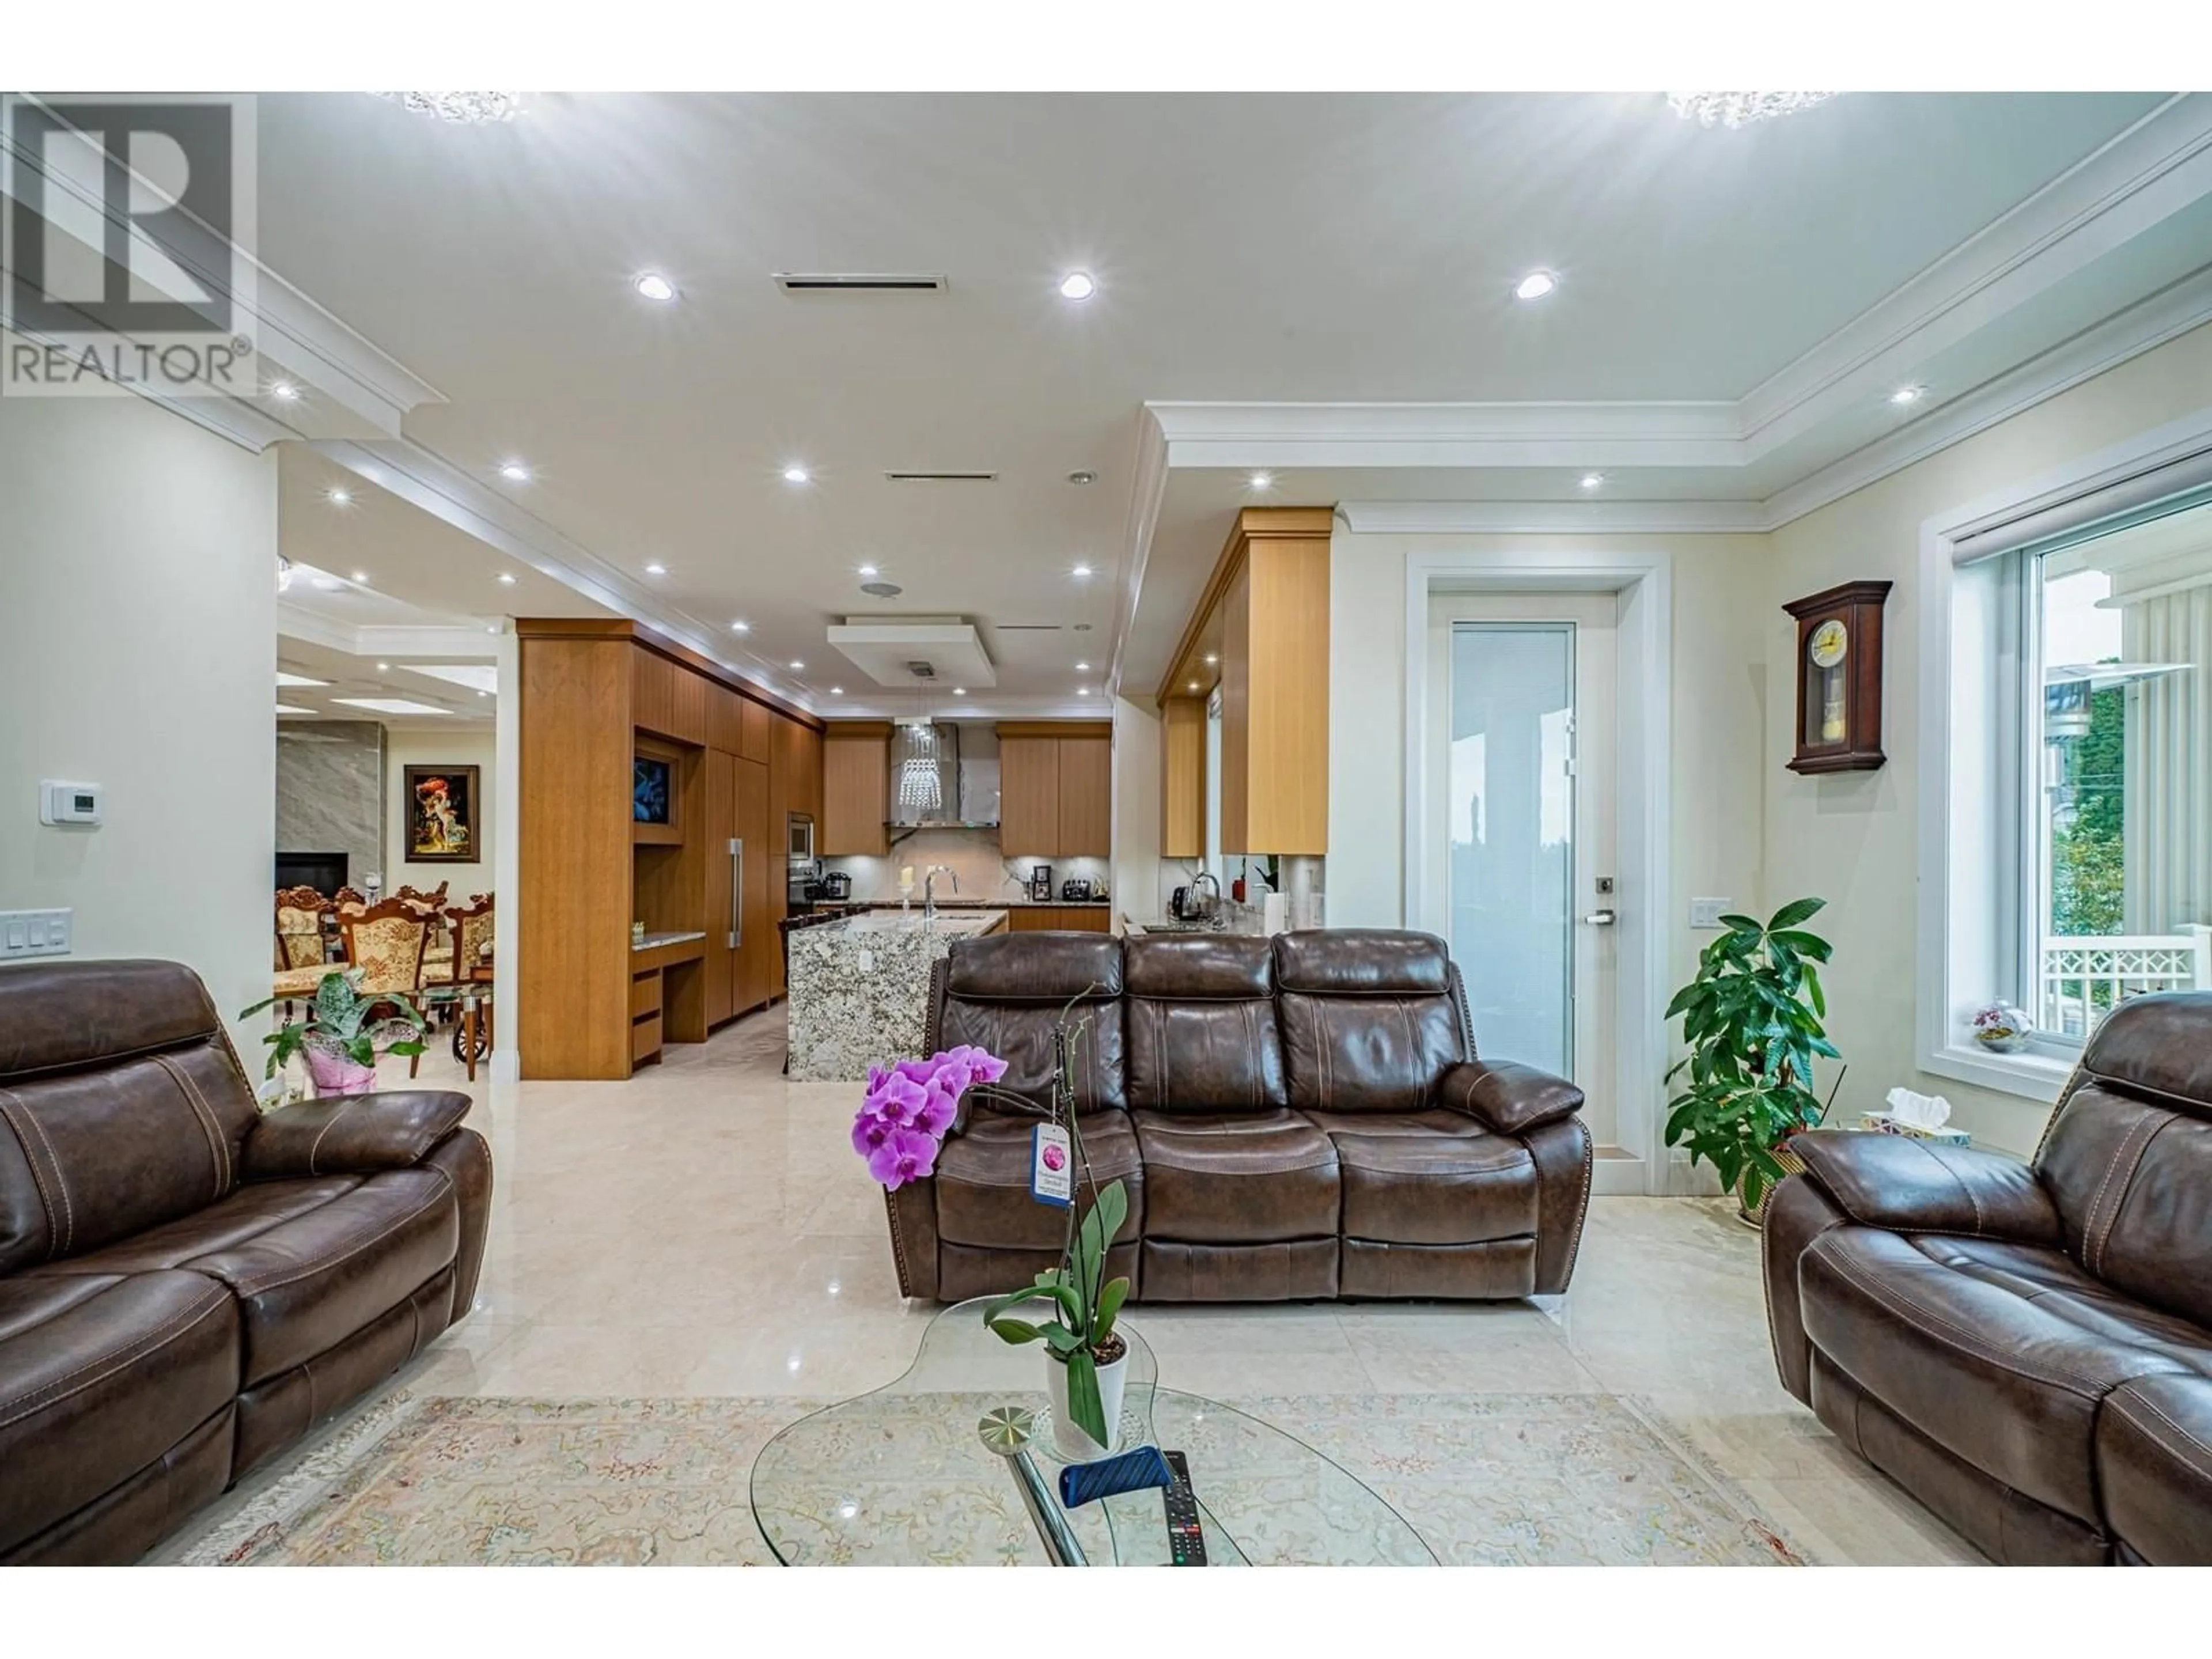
(2095, 1254)
(2158, 1411)
(316, 1145)
(61, 1181)
(209, 1125)
(153, 1340)
(262, 1287)
(31, 1162)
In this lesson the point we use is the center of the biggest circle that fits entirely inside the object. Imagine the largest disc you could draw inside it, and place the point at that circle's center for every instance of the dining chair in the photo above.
(385, 943)
(300, 912)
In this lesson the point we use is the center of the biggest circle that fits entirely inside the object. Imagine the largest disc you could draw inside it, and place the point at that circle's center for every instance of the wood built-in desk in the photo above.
(667, 993)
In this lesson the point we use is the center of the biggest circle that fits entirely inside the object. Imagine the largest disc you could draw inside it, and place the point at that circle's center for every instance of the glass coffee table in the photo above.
(904, 1476)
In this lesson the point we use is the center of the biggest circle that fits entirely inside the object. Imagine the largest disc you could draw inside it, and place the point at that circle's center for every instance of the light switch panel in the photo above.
(35, 934)
(1706, 912)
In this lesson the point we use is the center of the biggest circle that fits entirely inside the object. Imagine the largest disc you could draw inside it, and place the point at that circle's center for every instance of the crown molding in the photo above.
(1148, 488)
(1553, 518)
(1442, 434)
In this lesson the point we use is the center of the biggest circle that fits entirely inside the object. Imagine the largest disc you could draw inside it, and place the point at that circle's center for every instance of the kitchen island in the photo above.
(859, 988)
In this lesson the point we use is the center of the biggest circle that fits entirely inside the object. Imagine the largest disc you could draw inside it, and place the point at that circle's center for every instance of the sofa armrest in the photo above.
(1909, 1185)
(351, 1134)
(1510, 1098)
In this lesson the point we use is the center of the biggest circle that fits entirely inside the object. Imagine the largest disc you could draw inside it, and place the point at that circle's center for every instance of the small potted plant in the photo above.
(1753, 1018)
(340, 1039)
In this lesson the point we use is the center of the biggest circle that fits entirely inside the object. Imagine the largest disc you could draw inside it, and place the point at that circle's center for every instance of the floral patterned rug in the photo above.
(1517, 1480)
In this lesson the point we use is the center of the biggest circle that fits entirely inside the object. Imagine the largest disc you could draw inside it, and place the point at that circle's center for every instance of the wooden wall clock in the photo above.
(1839, 678)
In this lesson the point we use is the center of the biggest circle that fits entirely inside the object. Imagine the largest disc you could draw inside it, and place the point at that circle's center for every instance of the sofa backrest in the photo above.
(1370, 1018)
(122, 1104)
(2128, 1154)
(1201, 1018)
(1005, 993)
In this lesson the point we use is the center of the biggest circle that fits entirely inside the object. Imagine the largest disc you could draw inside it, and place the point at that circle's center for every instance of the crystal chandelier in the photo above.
(470, 107)
(1736, 109)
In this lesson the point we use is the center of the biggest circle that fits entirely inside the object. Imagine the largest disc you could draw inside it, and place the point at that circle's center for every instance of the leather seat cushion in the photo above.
(1412, 1187)
(248, 1212)
(2052, 1280)
(1254, 1178)
(2154, 1466)
(1988, 1374)
(983, 1182)
(101, 1375)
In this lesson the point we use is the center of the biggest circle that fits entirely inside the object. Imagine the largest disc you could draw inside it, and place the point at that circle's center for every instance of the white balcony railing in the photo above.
(2086, 978)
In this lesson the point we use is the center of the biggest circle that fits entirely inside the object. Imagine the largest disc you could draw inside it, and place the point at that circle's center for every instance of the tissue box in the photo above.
(1883, 1123)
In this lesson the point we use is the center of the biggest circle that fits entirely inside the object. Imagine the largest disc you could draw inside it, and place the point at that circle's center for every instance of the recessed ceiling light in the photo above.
(1908, 394)
(837, 690)
(867, 570)
(796, 475)
(1211, 658)
(1263, 481)
(1083, 668)
(1077, 285)
(1082, 690)
(796, 665)
(656, 568)
(384, 668)
(1080, 571)
(1084, 477)
(339, 497)
(1535, 285)
(507, 579)
(652, 285)
(483, 694)
(959, 690)
(1592, 480)
(741, 628)
(514, 472)
(1193, 685)
(284, 392)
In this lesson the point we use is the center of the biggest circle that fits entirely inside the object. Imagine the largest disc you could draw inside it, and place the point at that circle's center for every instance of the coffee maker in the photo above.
(1040, 884)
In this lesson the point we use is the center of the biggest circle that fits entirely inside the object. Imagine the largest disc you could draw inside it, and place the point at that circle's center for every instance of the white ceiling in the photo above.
(1733, 307)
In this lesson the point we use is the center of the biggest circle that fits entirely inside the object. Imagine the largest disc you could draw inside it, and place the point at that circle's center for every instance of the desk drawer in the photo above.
(645, 993)
(644, 1037)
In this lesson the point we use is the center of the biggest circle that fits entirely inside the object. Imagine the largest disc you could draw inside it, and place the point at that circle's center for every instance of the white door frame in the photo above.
(1644, 737)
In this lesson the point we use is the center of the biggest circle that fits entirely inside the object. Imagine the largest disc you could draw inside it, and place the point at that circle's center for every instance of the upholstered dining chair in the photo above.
(385, 944)
(299, 913)
(468, 937)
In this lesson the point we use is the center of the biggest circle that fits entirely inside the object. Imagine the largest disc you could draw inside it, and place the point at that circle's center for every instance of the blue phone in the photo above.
(1129, 1471)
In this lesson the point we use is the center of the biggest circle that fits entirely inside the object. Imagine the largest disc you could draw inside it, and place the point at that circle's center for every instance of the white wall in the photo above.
(1136, 809)
(137, 580)
(446, 746)
(1854, 837)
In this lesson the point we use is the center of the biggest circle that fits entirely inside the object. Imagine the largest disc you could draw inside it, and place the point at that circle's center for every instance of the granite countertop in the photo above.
(654, 941)
(944, 903)
(968, 924)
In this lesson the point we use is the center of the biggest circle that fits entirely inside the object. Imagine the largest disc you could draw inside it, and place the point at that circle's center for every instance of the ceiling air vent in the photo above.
(922, 671)
(942, 477)
(859, 281)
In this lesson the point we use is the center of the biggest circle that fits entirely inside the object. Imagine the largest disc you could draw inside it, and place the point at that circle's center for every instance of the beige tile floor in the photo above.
(705, 1229)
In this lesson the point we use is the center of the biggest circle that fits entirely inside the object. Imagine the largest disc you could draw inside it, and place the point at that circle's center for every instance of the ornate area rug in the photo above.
(1516, 1479)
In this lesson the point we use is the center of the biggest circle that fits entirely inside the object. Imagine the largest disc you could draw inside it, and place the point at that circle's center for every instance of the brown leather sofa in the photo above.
(1296, 1118)
(2025, 1348)
(185, 1285)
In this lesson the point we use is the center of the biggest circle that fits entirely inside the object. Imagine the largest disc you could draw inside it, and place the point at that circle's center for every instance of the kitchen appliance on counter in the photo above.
(1075, 892)
(803, 871)
(1040, 884)
(836, 886)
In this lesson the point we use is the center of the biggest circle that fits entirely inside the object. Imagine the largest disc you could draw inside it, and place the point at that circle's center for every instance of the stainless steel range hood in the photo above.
(925, 779)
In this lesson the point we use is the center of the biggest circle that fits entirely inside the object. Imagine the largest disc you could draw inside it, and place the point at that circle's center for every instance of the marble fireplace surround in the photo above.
(329, 792)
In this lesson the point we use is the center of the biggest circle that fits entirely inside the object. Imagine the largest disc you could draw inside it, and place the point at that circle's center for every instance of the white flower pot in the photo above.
(1070, 1441)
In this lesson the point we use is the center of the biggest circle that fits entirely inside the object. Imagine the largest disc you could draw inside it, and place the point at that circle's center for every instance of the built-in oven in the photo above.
(801, 867)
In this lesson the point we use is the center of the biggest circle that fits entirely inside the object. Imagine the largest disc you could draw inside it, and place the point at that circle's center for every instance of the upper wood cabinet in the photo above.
(855, 789)
(667, 699)
(1183, 778)
(1056, 790)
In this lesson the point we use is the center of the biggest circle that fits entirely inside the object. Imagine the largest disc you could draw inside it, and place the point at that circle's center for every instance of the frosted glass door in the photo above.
(1511, 794)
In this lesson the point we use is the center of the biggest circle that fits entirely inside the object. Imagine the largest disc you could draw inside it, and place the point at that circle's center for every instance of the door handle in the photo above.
(1600, 918)
(737, 894)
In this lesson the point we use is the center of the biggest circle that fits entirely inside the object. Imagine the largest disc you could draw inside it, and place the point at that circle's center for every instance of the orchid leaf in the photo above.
(1084, 1404)
(1018, 1330)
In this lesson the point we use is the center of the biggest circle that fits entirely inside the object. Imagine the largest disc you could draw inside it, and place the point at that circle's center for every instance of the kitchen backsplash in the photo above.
(974, 857)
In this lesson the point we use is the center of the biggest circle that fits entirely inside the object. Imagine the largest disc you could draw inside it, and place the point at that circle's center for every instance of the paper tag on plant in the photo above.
(1052, 1165)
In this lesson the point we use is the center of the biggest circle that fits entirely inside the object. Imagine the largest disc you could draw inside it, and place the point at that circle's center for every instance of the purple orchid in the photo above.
(906, 1155)
(870, 1132)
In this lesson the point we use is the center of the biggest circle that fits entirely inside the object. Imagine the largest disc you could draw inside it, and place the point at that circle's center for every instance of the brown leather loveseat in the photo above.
(2026, 1348)
(185, 1285)
(1300, 1117)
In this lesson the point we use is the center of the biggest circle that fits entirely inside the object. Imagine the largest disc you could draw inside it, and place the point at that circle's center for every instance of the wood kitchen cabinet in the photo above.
(1056, 789)
(1061, 918)
(855, 790)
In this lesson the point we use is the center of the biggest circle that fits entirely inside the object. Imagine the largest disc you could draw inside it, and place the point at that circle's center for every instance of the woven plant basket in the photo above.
(1757, 1218)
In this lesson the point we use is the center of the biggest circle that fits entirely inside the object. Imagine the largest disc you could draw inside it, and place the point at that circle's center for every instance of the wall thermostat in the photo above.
(70, 802)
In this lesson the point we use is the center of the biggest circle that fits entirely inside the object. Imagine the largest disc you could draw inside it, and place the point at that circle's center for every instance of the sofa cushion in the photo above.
(247, 1213)
(1368, 1019)
(2154, 1467)
(983, 1182)
(2132, 1176)
(101, 1375)
(1200, 1024)
(121, 1105)
(2050, 1280)
(1986, 1372)
(1005, 992)
(1251, 1178)
(1411, 1187)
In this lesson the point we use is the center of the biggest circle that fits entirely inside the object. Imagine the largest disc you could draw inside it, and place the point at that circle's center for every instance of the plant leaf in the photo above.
(1110, 1306)
(1795, 912)
(1016, 1330)
(1084, 1404)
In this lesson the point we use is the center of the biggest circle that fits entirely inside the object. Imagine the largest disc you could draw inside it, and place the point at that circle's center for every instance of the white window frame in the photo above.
(1979, 705)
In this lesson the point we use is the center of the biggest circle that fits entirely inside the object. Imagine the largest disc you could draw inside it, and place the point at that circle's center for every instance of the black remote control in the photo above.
(1186, 1538)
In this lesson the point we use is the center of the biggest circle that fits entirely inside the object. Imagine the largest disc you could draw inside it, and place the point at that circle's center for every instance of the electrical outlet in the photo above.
(35, 934)
(1706, 912)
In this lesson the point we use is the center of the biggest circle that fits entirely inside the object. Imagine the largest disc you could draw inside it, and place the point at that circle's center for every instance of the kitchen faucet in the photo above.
(929, 889)
(1207, 905)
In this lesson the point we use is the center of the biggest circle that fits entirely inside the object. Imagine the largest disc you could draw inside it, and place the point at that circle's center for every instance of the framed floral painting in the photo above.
(442, 815)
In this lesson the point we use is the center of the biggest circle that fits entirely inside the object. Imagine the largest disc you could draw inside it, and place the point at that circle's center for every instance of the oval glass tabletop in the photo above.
(902, 1476)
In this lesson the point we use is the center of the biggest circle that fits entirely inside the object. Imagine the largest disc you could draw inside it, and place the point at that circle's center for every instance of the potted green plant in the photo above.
(1753, 1018)
(343, 1035)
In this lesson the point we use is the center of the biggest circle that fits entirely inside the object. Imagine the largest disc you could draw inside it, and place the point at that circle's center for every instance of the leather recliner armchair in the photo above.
(1296, 1118)
(187, 1286)
(2025, 1348)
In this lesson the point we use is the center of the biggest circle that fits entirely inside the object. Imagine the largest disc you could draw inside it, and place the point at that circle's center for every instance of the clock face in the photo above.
(1829, 642)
